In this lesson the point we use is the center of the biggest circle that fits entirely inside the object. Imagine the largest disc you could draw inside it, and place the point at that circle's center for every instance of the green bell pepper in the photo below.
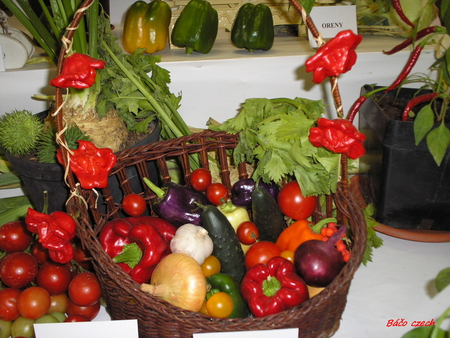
(253, 27)
(196, 28)
(220, 282)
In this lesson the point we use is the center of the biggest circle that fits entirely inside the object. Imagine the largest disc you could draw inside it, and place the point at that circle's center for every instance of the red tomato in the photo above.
(261, 252)
(134, 205)
(18, 269)
(14, 237)
(76, 318)
(84, 289)
(82, 256)
(90, 312)
(200, 179)
(293, 204)
(40, 253)
(8, 304)
(217, 193)
(247, 233)
(54, 277)
(33, 302)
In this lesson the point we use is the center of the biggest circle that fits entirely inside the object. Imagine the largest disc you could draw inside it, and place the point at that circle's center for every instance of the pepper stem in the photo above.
(131, 255)
(153, 187)
(271, 286)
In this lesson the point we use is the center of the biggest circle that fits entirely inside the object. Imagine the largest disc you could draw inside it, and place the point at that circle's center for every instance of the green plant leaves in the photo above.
(443, 279)
(438, 141)
(423, 123)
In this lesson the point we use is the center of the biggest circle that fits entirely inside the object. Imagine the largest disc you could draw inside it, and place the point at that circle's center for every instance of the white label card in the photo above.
(285, 333)
(330, 20)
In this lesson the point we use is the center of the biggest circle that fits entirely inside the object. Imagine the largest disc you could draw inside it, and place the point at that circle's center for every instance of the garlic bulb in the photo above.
(192, 240)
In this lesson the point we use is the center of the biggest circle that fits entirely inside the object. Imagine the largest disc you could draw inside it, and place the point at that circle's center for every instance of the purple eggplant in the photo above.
(178, 204)
(241, 192)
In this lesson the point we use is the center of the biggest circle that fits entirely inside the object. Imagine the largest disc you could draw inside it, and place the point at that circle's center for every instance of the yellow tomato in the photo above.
(288, 254)
(219, 305)
(210, 266)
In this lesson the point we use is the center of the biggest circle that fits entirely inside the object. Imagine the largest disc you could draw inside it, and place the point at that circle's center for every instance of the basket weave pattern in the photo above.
(317, 317)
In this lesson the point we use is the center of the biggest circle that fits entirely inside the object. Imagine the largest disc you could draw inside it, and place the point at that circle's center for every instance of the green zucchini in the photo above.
(227, 247)
(267, 215)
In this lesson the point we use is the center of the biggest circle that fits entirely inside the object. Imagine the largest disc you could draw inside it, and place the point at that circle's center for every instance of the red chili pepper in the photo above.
(90, 164)
(355, 108)
(398, 8)
(339, 136)
(335, 57)
(415, 101)
(78, 72)
(55, 231)
(420, 34)
(273, 287)
(407, 69)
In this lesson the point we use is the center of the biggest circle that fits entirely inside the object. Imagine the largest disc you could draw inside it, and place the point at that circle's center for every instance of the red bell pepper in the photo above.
(137, 244)
(90, 164)
(339, 136)
(335, 57)
(78, 71)
(273, 287)
(55, 231)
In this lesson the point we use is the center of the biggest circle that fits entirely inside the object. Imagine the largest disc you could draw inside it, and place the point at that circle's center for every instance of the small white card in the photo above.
(330, 20)
(106, 329)
(2, 63)
(285, 333)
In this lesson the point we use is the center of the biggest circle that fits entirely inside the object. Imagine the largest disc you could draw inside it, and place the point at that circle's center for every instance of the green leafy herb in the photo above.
(373, 241)
(274, 134)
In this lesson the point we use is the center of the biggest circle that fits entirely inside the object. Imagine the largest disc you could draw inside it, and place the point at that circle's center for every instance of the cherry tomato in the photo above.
(18, 269)
(84, 289)
(14, 237)
(247, 233)
(58, 303)
(288, 254)
(76, 318)
(210, 266)
(82, 256)
(54, 277)
(200, 179)
(40, 253)
(22, 327)
(90, 312)
(134, 205)
(293, 204)
(219, 305)
(8, 304)
(261, 252)
(217, 193)
(33, 302)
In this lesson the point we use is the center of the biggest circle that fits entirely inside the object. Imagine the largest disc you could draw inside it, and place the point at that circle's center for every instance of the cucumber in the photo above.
(227, 247)
(267, 215)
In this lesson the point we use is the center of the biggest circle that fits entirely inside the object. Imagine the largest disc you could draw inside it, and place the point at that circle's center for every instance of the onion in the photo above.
(319, 262)
(179, 280)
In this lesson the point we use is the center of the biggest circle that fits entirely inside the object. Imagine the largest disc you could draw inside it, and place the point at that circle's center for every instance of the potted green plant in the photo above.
(406, 170)
(125, 105)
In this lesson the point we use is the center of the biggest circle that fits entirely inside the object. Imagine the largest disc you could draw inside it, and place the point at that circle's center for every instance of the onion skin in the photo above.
(179, 280)
(318, 262)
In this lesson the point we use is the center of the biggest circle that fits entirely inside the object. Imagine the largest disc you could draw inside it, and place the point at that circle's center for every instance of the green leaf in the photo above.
(445, 14)
(423, 123)
(438, 141)
(307, 5)
(443, 279)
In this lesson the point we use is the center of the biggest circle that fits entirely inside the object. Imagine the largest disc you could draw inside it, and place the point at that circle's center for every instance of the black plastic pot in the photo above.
(40, 177)
(408, 189)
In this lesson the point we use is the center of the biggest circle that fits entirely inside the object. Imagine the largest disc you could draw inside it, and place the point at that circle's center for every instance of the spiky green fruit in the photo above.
(20, 132)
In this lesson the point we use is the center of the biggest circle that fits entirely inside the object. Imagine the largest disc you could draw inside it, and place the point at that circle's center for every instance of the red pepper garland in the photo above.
(79, 71)
(90, 164)
(335, 57)
(55, 231)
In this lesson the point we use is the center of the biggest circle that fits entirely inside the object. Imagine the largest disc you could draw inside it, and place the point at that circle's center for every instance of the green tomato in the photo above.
(59, 315)
(5, 328)
(47, 319)
(22, 327)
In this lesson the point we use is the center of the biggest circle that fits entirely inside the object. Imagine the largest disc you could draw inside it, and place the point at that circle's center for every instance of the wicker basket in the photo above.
(317, 317)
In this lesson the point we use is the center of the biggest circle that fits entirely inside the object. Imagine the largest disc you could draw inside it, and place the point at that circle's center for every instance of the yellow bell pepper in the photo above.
(146, 26)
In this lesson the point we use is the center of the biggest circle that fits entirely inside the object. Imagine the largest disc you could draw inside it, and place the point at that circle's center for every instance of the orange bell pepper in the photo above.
(296, 234)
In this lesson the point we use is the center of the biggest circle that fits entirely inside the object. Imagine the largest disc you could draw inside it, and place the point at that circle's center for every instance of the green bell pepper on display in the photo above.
(221, 282)
(196, 28)
(253, 27)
